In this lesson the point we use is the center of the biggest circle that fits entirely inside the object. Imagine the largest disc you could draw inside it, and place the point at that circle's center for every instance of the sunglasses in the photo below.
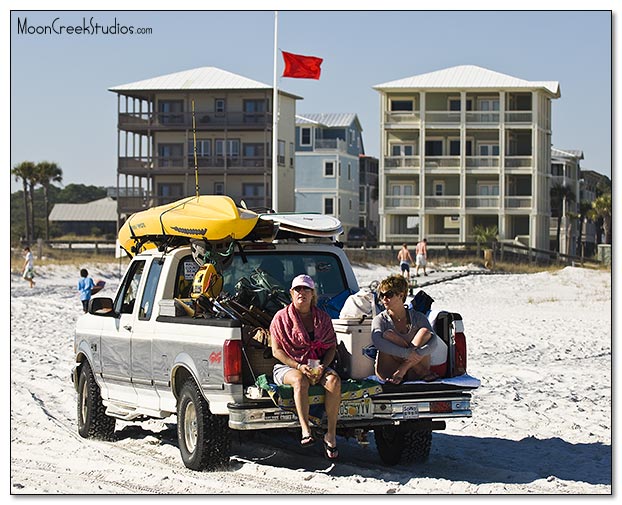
(387, 294)
(298, 289)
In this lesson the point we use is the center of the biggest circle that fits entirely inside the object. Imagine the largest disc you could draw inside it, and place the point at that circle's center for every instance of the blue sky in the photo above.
(62, 111)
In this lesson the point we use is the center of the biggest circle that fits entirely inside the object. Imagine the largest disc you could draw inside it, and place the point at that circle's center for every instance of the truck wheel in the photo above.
(406, 443)
(92, 419)
(204, 438)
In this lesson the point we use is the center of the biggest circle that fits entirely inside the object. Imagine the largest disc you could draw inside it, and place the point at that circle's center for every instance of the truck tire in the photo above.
(204, 438)
(92, 419)
(406, 443)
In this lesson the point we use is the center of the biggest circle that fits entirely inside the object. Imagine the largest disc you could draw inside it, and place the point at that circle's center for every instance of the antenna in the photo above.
(194, 147)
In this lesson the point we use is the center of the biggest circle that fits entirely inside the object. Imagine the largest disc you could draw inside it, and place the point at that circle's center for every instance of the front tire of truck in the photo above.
(92, 419)
(204, 438)
(406, 443)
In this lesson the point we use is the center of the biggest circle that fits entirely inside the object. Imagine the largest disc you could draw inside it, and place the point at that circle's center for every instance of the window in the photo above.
(292, 150)
(220, 105)
(439, 188)
(170, 155)
(171, 111)
(433, 147)
(254, 154)
(488, 188)
(219, 188)
(349, 171)
(305, 136)
(329, 205)
(401, 105)
(488, 149)
(254, 110)
(453, 104)
(402, 150)
(146, 304)
(454, 147)
(253, 194)
(232, 146)
(329, 169)
(169, 192)
(126, 299)
(204, 148)
(281, 156)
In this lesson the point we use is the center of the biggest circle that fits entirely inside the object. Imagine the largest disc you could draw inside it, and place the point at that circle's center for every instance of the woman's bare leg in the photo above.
(332, 399)
(301, 398)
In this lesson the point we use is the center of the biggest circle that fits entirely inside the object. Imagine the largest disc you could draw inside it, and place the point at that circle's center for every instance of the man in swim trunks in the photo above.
(405, 260)
(421, 252)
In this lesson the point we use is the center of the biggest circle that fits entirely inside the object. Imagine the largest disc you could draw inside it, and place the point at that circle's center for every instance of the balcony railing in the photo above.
(482, 202)
(335, 144)
(145, 163)
(442, 117)
(515, 116)
(442, 162)
(402, 117)
(441, 238)
(400, 202)
(518, 202)
(442, 201)
(482, 161)
(402, 161)
(518, 162)
(203, 120)
(482, 117)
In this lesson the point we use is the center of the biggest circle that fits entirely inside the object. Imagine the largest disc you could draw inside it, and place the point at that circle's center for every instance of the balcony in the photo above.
(522, 117)
(481, 117)
(144, 121)
(402, 119)
(331, 144)
(518, 162)
(442, 202)
(480, 162)
(405, 162)
(441, 238)
(175, 165)
(518, 202)
(442, 118)
(482, 202)
(442, 162)
(401, 202)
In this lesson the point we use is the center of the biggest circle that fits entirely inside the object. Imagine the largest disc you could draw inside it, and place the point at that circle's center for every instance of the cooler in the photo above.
(356, 336)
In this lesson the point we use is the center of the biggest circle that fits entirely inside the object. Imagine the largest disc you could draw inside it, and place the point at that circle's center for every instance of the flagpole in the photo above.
(275, 114)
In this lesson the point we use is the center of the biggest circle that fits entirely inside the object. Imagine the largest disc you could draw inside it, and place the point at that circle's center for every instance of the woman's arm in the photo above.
(378, 327)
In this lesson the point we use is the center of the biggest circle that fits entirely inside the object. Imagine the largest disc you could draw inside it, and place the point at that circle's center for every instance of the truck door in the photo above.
(142, 339)
(116, 337)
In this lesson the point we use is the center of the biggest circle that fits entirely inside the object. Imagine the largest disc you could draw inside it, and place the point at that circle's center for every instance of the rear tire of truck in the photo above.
(92, 419)
(405, 444)
(204, 438)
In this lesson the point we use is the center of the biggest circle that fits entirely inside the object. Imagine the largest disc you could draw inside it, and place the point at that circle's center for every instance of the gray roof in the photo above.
(469, 77)
(202, 78)
(98, 210)
(566, 153)
(330, 119)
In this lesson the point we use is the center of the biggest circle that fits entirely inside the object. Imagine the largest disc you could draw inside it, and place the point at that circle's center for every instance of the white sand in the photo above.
(540, 343)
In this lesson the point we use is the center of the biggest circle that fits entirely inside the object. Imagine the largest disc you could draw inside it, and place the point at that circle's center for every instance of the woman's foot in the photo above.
(307, 440)
(330, 450)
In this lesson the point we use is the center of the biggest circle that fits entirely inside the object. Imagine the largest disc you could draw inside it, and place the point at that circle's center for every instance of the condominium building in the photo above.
(462, 147)
(328, 146)
(226, 117)
(565, 193)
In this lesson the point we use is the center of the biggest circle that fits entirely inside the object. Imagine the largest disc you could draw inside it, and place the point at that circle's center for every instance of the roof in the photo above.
(196, 79)
(98, 210)
(566, 153)
(330, 119)
(469, 77)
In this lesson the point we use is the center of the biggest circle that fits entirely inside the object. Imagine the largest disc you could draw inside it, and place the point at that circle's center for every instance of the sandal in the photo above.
(432, 376)
(330, 452)
(307, 441)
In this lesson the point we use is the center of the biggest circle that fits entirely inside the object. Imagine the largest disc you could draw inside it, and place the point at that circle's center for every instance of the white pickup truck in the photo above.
(138, 356)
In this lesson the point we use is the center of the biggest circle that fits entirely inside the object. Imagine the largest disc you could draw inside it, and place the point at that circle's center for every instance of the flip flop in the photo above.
(330, 452)
(307, 441)
(432, 376)
(396, 380)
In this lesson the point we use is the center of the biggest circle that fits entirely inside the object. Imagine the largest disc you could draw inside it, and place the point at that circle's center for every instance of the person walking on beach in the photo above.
(421, 255)
(28, 270)
(405, 259)
(85, 288)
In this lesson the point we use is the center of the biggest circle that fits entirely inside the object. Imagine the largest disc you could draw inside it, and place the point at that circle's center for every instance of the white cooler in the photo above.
(356, 336)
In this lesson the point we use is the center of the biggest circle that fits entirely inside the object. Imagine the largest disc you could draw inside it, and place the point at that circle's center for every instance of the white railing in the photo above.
(482, 161)
(402, 162)
(442, 162)
(481, 116)
(400, 202)
(441, 238)
(442, 116)
(518, 162)
(518, 202)
(523, 116)
(442, 201)
(482, 202)
(402, 117)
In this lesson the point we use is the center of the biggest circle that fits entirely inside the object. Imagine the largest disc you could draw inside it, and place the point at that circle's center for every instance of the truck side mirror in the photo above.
(101, 307)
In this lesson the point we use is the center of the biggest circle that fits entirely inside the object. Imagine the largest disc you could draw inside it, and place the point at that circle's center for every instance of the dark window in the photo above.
(305, 136)
(146, 304)
(401, 105)
(126, 299)
(433, 147)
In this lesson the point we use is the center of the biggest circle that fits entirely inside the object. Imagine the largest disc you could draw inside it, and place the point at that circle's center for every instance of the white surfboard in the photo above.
(312, 225)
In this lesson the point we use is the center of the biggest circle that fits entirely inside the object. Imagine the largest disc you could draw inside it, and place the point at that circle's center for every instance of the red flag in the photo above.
(301, 67)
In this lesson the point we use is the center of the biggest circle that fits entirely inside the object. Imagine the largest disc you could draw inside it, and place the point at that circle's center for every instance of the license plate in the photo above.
(360, 409)
(279, 416)
(410, 411)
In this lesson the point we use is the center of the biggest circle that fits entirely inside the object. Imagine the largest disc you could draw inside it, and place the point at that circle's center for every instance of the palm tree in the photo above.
(560, 194)
(584, 208)
(25, 171)
(47, 172)
(601, 209)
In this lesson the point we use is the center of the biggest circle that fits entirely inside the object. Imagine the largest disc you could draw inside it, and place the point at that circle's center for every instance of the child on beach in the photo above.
(29, 266)
(85, 287)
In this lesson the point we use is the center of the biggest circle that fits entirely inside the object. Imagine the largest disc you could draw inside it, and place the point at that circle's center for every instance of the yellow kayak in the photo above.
(209, 217)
